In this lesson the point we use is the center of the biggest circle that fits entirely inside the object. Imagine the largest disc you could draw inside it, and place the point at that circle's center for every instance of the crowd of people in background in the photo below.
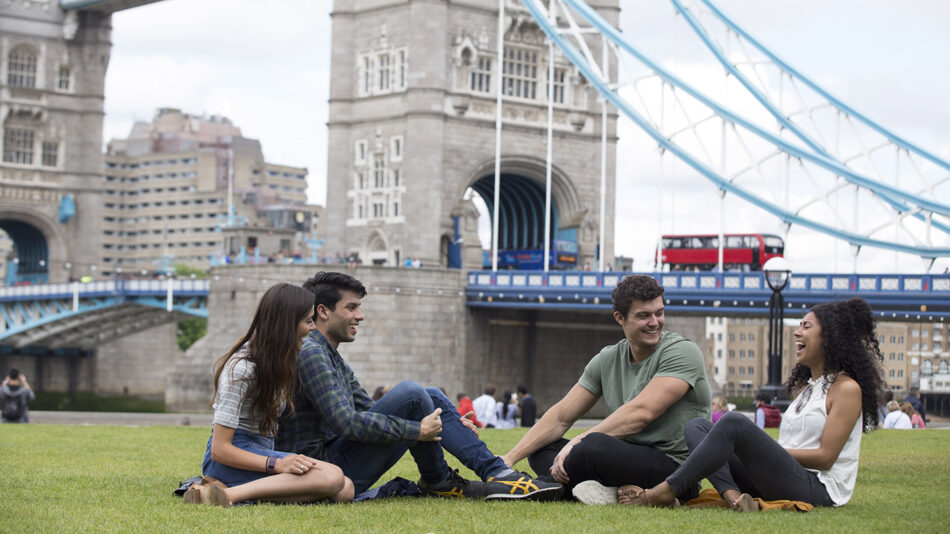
(514, 408)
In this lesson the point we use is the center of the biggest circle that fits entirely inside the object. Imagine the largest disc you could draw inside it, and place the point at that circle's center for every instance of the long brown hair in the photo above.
(272, 348)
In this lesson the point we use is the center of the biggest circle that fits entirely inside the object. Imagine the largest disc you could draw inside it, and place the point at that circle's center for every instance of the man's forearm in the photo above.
(625, 421)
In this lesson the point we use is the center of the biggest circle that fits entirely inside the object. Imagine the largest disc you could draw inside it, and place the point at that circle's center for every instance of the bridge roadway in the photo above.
(85, 314)
(893, 297)
(82, 315)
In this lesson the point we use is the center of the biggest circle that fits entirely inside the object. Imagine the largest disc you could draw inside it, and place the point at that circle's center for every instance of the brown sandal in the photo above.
(745, 503)
(640, 498)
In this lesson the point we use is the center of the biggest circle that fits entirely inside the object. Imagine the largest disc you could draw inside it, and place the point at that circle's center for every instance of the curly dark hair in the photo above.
(849, 344)
(636, 287)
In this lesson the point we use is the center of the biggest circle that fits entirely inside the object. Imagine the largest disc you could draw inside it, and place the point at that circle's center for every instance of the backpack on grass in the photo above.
(13, 407)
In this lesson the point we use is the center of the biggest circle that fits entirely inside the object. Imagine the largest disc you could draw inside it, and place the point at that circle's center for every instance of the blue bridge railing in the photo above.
(895, 296)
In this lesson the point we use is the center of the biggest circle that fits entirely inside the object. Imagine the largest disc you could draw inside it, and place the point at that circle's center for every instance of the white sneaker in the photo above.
(593, 492)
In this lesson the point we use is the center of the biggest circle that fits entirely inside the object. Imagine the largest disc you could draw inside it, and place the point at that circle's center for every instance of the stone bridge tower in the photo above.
(412, 133)
(52, 73)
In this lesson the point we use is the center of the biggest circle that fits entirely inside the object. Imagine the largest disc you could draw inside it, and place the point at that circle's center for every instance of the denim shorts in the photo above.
(249, 442)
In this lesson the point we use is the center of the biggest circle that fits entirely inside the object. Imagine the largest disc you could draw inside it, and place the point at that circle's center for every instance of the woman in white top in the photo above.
(254, 381)
(837, 377)
(506, 411)
(896, 418)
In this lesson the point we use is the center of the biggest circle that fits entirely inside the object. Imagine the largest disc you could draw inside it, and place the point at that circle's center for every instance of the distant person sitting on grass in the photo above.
(253, 383)
(916, 421)
(837, 377)
(15, 393)
(766, 414)
(896, 418)
(719, 408)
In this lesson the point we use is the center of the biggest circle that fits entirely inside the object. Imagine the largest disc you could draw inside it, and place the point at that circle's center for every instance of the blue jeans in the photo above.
(247, 441)
(365, 462)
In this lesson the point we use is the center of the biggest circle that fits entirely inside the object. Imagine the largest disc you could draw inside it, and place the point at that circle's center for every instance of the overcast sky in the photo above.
(267, 69)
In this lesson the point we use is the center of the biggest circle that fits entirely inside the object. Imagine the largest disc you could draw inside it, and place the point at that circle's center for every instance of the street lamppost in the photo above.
(777, 273)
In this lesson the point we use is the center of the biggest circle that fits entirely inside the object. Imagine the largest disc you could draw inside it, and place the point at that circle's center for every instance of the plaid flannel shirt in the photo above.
(330, 404)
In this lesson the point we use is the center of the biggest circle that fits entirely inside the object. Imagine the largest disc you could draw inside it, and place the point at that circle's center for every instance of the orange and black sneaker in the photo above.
(517, 485)
(454, 487)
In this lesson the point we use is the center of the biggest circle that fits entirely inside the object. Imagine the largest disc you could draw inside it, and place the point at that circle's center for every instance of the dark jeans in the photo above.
(610, 461)
(734, 454)
(365, 462)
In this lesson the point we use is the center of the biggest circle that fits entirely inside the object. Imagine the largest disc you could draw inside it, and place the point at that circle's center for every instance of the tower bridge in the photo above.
(418, 93)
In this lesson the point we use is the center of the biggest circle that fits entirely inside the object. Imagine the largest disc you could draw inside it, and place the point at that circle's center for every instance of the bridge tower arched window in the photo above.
(943, 367)
(21, 67)
(927, 368)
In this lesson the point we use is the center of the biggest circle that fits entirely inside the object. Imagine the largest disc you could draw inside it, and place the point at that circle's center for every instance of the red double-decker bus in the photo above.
(741, 252)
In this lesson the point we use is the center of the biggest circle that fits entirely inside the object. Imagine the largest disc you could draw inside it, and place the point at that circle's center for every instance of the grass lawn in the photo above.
(60, 479)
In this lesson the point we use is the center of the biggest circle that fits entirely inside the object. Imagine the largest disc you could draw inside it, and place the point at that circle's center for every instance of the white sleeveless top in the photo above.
(802, 428)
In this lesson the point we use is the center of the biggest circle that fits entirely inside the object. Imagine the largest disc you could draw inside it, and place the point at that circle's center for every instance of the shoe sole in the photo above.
(593, 492)
(543, 494)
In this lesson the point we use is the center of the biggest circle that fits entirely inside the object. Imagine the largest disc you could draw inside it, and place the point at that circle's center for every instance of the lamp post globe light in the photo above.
(777, 274)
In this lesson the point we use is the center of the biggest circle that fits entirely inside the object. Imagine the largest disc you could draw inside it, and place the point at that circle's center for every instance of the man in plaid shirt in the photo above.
(336, 420)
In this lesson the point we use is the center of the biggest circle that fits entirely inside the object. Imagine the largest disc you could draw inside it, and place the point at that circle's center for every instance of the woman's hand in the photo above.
(296, 464)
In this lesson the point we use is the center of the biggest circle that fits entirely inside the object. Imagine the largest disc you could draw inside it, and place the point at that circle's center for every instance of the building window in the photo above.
(402, 68)
(742, 337)
(383, 72)
(366, 71)
(396, 176)
(751, 354)
(942, 367)
(379, 171)
(751, 336)
(732, 354)
(50, 153)
(395, 148)
(64, 80)
(21, 68)
(18, 146)
(927, 368)
(395, 209)
(360, 152)
(559, 76)
(521, 73)
(481, 75)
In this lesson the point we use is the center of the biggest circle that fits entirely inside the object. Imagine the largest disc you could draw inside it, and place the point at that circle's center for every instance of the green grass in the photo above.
(120, 479)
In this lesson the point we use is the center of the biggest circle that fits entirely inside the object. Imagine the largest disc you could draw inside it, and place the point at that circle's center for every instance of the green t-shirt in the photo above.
(611, 374)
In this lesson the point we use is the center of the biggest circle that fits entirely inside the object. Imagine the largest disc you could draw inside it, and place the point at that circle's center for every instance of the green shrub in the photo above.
(89, 402)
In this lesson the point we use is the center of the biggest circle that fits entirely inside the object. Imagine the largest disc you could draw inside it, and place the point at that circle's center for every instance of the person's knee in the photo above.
(733, 419)
(347, 493)
(410, 389)
(591, 447)
(695, 431)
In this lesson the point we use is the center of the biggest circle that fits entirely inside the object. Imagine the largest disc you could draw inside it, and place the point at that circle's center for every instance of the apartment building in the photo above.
(168, 187)
(915, 354)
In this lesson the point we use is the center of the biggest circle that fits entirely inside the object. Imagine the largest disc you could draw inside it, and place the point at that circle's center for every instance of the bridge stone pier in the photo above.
(417, 327)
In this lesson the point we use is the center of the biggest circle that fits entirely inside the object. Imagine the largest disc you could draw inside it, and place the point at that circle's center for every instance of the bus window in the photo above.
(695, 242)
(734, 241)
(774, 245)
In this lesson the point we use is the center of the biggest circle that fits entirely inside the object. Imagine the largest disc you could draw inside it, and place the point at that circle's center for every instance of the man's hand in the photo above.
(557, 468)
(431, 426)
(468, 423)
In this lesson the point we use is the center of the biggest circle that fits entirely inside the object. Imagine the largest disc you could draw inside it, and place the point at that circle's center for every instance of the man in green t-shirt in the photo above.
(652, 382)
